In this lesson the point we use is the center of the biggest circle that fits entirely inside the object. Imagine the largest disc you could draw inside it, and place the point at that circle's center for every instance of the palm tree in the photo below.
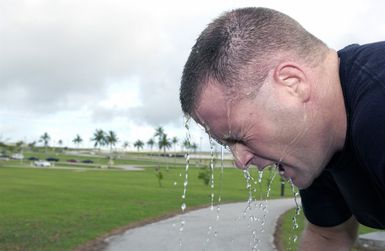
(111, 139)
(77, 140)
(60, 143)
(138, 144)
(19, 146)
(32, 145)
(125, 145)
(151, 143)
(194, 147)
(159, 132)
(164, 143)
(99, 138)
(174, 141)
(45, 138)
(186, 144)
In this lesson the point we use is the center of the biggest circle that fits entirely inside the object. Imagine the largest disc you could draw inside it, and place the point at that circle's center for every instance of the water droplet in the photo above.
(185, 183)
(295, 225)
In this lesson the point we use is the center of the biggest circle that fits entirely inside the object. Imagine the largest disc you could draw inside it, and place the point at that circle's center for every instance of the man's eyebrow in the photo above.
(228, 139)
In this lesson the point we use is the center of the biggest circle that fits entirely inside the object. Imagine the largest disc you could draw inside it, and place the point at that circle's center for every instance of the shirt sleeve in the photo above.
(368, 131)
(322, 202)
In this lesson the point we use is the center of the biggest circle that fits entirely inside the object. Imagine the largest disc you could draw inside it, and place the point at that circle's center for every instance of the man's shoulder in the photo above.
(362, 73)
(370, 57)
(361, 48)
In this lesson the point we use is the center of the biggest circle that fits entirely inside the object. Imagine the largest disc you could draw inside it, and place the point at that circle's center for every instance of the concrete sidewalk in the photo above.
(233, 227)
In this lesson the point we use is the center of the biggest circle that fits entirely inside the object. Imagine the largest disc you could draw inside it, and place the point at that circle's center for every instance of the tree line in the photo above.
(101, 138)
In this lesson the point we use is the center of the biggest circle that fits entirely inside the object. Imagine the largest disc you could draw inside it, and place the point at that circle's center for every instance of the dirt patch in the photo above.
(100, 243)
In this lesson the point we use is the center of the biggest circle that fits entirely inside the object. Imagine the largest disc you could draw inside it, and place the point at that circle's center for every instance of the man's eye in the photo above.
(233, 141)
(220, 143)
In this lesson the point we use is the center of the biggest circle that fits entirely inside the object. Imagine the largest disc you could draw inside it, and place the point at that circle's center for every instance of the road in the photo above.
(232, 227)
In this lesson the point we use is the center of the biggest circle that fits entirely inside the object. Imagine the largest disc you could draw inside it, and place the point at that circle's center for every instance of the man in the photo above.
(273, 93)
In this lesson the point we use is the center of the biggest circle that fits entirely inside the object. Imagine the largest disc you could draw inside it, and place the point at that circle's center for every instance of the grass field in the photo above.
(60, 209)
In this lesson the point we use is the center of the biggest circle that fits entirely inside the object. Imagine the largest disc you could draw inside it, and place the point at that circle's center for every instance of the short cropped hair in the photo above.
(240, 47)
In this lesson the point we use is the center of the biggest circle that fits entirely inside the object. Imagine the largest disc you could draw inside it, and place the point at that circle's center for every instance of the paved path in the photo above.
(130, 168)
(236, 229)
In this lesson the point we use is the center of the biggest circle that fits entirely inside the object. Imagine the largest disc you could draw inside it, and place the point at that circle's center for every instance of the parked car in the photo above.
(33, 158)
(51, 159)
(4, 157)
(87, 161)
(72, 160)
(42, 163)
(17, 156)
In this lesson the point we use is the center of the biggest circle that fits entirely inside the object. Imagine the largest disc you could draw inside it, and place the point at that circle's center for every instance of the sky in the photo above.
(69, 67)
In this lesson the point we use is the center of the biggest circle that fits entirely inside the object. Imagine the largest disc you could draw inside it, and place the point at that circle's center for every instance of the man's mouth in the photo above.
(280, 168)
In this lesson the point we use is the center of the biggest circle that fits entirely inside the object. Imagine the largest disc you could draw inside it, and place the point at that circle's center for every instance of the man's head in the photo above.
(240, 47)
(249, 80)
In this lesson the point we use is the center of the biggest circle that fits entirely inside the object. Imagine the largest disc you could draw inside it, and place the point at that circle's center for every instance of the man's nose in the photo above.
(242, 155)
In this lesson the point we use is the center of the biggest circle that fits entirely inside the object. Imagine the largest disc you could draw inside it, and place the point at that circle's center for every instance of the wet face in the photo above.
(261, 130)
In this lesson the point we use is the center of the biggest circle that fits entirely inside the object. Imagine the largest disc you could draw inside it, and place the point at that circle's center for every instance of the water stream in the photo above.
(293, 237)
(211, 229)
(258, 196)
(185, 183)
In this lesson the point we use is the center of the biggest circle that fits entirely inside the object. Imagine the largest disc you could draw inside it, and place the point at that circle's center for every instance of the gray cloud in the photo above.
(61, 55)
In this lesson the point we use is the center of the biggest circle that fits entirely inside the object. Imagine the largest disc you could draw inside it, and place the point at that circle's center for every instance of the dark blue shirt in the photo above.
(353, 182)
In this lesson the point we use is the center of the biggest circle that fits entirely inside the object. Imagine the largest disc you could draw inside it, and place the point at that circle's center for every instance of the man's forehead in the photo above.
(211, 105)
(212, 96)
(212, 110)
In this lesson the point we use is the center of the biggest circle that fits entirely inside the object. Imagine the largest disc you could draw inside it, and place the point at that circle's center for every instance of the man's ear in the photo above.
(293, 78)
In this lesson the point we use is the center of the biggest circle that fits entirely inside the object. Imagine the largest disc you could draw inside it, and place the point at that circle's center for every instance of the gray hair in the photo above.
(240, 47)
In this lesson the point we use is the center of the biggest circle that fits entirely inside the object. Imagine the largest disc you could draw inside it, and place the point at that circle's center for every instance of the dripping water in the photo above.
(185, 183)
(255, 222)
(211, 229)
(212, 159)
(293, 237)
(264, 205)
(220, 183)
(249, 180)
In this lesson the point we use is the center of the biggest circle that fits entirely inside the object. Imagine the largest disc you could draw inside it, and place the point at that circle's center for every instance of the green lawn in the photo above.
(59, 209)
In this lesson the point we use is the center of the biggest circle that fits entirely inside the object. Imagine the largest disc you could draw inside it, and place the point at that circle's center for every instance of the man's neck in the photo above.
(336, 100)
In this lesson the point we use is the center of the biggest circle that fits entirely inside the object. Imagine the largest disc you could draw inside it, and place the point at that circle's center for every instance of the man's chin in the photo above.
(302, 184)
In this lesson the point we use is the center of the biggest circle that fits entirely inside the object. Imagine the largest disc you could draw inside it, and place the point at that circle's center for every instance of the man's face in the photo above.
(260, 131)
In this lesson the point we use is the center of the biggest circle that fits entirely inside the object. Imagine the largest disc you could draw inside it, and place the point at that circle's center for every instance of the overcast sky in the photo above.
(72, 66)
